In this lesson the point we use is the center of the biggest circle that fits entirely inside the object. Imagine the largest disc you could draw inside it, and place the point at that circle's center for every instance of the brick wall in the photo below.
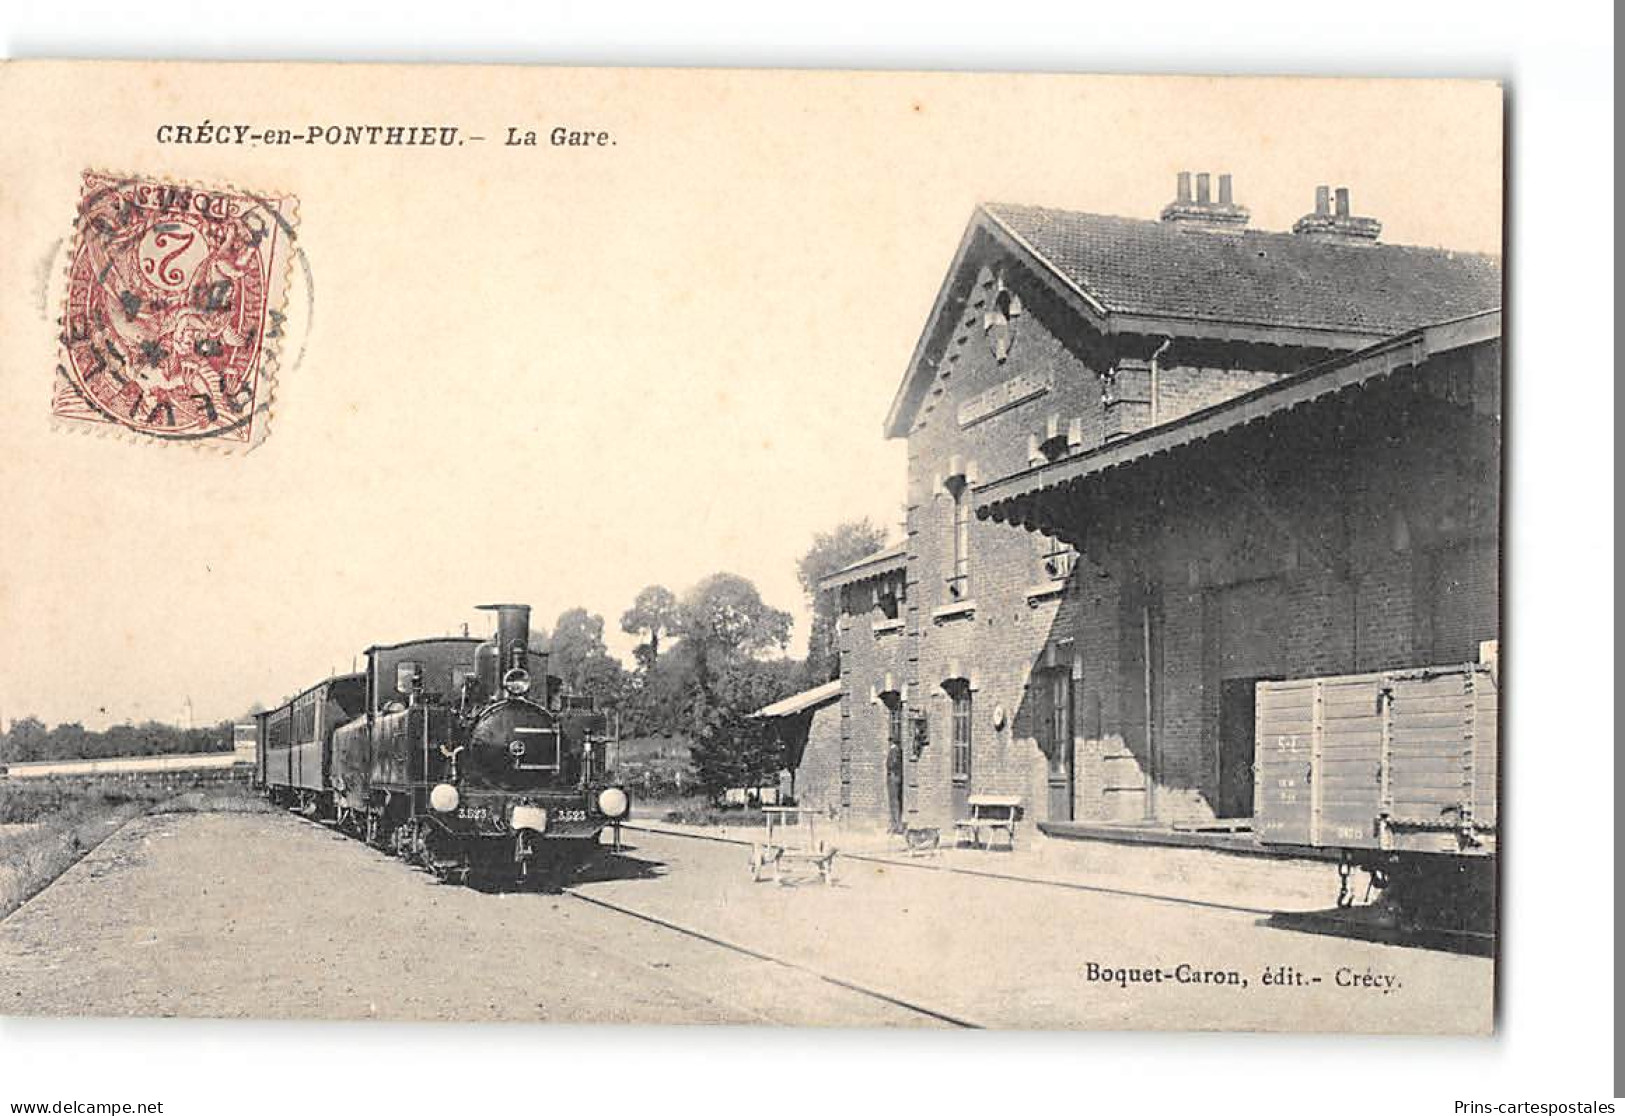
(871, 649)
(1019, 609)
(1183, 389)
(1057, 376)
(818, 779)
(1373, 550)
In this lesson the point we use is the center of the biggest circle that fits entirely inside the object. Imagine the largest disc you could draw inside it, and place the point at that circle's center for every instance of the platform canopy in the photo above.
(890, 560)
(802, 702)
(1046, 497)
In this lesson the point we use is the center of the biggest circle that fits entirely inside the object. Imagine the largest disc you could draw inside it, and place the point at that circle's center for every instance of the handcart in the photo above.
(791, 844)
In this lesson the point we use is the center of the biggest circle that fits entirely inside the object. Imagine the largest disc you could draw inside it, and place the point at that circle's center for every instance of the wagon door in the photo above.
(1349, 773)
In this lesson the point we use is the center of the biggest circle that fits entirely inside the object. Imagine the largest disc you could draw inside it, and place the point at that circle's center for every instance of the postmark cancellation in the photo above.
(174, 311)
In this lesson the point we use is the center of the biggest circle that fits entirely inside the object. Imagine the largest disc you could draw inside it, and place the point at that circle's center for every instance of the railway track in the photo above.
(899, 1002)
(748, 951)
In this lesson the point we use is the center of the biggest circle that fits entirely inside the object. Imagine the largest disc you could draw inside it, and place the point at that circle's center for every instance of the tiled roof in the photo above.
(1163, 270)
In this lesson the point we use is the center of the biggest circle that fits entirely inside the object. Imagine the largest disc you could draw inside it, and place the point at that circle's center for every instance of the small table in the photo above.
(791, 841)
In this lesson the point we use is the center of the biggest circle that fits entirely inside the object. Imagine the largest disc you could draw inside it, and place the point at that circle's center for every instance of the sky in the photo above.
(557, 376)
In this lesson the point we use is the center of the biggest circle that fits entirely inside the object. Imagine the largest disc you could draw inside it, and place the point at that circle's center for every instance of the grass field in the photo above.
(46, 825)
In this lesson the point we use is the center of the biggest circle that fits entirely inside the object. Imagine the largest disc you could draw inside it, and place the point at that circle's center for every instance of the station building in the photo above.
(1150, 463)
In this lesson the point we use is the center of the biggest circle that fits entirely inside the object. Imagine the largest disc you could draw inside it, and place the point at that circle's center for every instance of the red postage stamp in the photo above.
(174, 311)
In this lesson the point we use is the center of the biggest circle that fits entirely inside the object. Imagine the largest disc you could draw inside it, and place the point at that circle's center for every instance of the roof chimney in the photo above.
(1339, 227)
(1202, 212)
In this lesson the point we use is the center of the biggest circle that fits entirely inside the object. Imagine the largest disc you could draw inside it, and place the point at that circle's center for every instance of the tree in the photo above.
(581, 659)
(723, 625)
(24, 741)
(724, 616)
(831, 551)
(731, 748)
(656, 695)
(29, 739)
(653, 611)
(704, 684)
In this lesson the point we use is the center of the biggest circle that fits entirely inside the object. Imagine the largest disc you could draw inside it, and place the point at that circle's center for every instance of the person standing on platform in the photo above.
(894, 785)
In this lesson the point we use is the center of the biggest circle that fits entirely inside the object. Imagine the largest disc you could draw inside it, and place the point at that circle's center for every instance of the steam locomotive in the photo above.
(450, 753)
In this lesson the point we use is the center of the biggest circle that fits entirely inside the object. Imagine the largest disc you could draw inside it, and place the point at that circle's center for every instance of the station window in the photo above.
(894, 721)
(959, 578)
(889, 597)
(1058, 722)
(1055, 558)
(961, 726)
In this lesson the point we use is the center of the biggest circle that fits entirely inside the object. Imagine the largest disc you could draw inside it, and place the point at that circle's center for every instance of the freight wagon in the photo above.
(1396, 770)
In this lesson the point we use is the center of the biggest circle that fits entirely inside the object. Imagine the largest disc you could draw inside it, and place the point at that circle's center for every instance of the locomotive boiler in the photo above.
(459, 755)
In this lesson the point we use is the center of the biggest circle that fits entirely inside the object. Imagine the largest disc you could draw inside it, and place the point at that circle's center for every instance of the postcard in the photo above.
(513, 543)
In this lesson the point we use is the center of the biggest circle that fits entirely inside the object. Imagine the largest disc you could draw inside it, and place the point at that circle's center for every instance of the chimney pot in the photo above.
(1341, 226)
(1198, 213)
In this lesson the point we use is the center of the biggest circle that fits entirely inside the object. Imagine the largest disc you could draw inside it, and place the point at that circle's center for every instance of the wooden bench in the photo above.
(990, 814)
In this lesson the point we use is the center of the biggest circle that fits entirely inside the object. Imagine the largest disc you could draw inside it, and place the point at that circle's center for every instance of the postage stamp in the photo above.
(174, 311)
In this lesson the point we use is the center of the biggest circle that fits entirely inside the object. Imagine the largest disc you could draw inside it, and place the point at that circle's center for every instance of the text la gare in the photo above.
(559, 137)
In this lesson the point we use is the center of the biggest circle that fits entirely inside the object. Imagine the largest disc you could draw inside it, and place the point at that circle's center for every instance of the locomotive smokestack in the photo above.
(513, 634)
